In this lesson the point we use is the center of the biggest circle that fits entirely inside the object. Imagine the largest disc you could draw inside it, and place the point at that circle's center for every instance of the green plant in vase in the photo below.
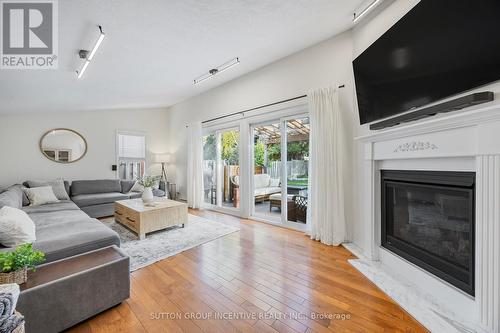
(14, 265)
(148, 182)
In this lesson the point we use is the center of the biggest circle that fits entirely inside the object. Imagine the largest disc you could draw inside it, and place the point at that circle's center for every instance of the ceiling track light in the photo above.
(88, 56)
(217, 70)
(365, 11)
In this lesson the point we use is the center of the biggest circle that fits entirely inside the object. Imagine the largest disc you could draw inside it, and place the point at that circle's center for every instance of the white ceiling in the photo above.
(154, 49)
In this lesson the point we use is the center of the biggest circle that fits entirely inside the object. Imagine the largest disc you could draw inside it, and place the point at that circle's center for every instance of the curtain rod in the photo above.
(258, 107)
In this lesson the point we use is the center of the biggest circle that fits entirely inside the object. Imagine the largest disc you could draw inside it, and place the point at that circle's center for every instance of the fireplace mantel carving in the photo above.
(415, 146)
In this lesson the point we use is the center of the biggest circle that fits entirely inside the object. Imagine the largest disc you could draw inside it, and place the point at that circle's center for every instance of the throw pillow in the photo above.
(12, 197)
(57, 186)
(137, 187)
(274, 182)
(41, 195)
(16, 227)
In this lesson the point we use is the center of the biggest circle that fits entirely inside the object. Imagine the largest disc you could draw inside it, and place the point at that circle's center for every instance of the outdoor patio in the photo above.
(268, 169)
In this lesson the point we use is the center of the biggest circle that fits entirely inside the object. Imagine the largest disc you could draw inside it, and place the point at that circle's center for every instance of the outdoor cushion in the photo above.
(261, 180)
(83, 200)
(95, 186)
(259, 191)
(274, 182)
(277, 196)
(67, 239)
(271, 190)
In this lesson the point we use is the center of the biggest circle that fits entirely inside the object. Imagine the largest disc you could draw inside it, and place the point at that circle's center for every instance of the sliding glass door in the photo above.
(221, 168)
(267, 171)
(279, 185)
(297, 168)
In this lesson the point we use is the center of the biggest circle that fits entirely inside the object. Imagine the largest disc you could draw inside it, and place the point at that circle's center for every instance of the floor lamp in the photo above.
(163, 159)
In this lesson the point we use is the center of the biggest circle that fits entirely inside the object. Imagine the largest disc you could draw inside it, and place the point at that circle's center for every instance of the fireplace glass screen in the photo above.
(428, 218)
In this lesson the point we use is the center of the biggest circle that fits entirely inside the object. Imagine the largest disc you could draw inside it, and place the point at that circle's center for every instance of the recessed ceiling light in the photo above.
(217, 70)
(88, 56)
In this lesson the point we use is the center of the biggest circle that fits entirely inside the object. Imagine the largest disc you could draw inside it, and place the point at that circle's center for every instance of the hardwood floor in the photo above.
(272, 279)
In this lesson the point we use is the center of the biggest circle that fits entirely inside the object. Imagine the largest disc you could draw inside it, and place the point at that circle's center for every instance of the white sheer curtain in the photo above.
(326, 219)
(194, 167)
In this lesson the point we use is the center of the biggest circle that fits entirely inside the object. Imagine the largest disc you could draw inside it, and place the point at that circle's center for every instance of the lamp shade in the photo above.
(162, 158)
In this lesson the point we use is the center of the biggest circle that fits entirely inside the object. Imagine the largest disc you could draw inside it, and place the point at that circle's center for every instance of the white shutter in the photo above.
(131, 146)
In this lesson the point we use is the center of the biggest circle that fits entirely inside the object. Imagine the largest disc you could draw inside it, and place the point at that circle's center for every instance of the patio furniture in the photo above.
(275, 200)
(300, 203)
(296, 189)
(264, 186)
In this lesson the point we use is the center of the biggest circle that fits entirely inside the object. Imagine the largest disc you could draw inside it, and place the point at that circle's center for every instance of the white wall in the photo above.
(320, 66)
(326, 64)
(21, 158)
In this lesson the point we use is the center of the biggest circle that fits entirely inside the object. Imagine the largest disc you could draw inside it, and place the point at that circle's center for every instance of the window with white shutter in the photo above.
(131, 155)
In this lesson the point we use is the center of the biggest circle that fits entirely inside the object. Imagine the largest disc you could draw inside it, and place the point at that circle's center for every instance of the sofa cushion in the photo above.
(66, 239)
(52, 207)
(12, 197)
(127, 185)
(58, 186)
(40, 195)
(95, 186)
(25, 200)
(271, 190)
(135, 195)
(159, 193)
(16, 227)
(84, 200)
(261, 180)
(42, 219)
(274, 182)
(259, 191)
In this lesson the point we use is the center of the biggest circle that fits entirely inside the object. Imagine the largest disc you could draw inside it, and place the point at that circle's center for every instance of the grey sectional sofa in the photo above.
(97, 197)
(62, 229)
(68, 228)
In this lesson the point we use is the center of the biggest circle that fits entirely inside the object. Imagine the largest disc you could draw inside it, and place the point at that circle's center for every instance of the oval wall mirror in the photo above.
(63, 145)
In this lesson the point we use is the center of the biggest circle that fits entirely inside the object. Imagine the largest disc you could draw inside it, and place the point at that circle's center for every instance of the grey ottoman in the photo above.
(63, 293)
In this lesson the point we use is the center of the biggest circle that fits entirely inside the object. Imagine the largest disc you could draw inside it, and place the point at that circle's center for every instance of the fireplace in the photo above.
(428, 219)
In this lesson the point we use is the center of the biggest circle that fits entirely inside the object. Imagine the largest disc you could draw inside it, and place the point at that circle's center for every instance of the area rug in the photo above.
(166, 243)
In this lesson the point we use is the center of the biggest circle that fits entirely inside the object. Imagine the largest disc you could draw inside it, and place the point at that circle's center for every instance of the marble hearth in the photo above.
(462, 141)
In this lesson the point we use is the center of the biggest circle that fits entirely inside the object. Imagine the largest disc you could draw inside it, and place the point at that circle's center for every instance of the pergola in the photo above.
(297, 130)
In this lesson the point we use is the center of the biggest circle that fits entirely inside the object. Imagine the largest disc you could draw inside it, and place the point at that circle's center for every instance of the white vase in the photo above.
(147, 196)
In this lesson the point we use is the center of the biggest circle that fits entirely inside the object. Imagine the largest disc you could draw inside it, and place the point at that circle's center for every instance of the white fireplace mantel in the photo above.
(468, 140)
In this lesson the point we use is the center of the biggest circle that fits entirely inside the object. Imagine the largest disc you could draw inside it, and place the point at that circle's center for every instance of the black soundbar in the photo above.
(453, 105)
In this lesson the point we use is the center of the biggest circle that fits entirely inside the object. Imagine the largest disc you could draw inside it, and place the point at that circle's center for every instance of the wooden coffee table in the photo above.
(142, 219)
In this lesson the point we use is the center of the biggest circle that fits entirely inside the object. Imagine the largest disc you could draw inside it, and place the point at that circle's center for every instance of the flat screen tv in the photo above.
(438, 49)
